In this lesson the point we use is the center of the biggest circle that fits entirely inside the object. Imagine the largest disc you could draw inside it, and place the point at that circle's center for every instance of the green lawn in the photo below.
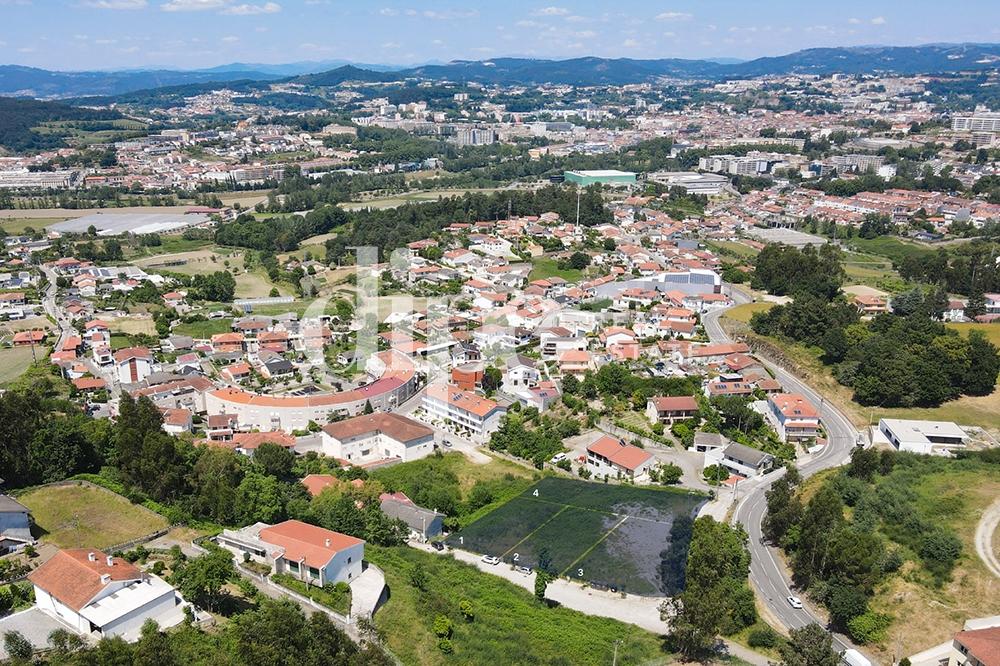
(992, 331)
(509, 627)
(743, 313)
(18, 225)
(203, 330)
(85, 516)
(733, 249)
(15, 360)
(869, 269)
(336, 600)
(544, 267)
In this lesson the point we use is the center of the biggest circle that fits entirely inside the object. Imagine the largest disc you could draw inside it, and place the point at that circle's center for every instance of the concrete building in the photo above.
(926, 437)
(613, 458)
(739, 459)
(708, 184)
(379, 436)
(601, 177)
(481, 416)
(794, 418)
(102, 596)
(424, 523)
(133, 364)
(671, 408)
(976, 122)
(15, 525)
(312, 554)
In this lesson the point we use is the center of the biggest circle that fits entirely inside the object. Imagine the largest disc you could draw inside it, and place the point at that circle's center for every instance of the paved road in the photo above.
(987, 526)
(767, 574)
(49, 306)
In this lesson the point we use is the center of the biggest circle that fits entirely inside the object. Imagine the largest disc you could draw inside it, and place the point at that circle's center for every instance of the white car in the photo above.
(795, 603)
(491, 559)
(559, 457)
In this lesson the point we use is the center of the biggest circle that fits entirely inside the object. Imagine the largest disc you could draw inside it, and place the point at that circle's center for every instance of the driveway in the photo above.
(985, 530)
(33, 624)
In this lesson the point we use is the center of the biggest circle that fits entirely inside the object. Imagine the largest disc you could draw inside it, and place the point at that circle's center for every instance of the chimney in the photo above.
(327, 543)
(105, 579)
(92, 557)
(111, 561)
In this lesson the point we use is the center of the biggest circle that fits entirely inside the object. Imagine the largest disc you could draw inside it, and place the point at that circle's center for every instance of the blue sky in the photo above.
(122, 34)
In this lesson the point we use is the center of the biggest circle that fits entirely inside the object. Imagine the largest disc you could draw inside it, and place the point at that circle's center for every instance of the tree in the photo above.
(809, 646)
(784, 511)
(864, 463)
(274, 460)
(984, 364)
(821, 519)
(492, 378)
(976, 305)
(215, 478)
(845, 602)
(201, 579)
(259, 499)
(17, 646)
(541, 582)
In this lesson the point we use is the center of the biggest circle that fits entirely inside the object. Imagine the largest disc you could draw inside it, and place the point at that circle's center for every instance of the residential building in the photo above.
(613, 458)
(461, 408)
(102, 596)
(312, 554)
(133, 364)
(794, 418)
(375, 437)
(424, 523)
(926, 437)
(670, 408)
(739, 459)
(15, 525)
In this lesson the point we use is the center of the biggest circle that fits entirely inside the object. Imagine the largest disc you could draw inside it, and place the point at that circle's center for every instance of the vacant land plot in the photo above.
(410, 197)
(743, 313)
(194, 262)
(132, 326)
(992, 331)
(544, 267)
(18, 225)
(510, 625)
(733, 249)
(589, 531)
(15, 360)
(203, 330)
(86, 516)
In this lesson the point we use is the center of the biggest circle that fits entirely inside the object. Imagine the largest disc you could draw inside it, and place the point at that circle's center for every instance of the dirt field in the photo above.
(196, 262)
(862, 290)
(85, 516)
(132, 325)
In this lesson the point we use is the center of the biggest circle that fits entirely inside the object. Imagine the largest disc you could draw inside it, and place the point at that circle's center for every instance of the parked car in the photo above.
(523, 570)
(447, 443)
(491, 559)
(437, 545)
(559, 457)
(795, 602)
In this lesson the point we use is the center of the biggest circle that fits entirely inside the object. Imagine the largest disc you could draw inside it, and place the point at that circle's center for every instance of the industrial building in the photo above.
(601, 177)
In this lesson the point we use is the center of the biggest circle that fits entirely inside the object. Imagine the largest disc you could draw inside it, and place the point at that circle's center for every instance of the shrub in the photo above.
(442, 627)
(446, 646)
(762, 637)
(465, 607)
(869, 627)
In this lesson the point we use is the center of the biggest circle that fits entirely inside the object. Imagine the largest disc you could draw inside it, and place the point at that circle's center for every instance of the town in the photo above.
(424, 367)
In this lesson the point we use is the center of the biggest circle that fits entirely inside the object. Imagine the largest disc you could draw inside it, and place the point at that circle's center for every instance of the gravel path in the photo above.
(984, 538)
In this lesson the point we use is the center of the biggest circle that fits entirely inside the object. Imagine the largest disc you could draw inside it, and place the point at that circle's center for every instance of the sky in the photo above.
(193, 34)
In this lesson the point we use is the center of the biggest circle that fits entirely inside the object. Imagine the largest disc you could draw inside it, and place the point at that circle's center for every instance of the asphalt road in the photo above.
(767, 574)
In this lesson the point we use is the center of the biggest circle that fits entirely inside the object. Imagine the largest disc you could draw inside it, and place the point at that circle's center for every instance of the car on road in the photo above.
(523, 570)
(795, 602)
(447, 443)
(559, 457)
(437, 545)
(491, 559)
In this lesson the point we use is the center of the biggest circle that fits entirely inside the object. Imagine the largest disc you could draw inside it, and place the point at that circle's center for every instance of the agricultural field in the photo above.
(508, 625)
(203, 330)
(18, 225)
(733, 249)
(422, 196)
(870, 270)
(608, 534)
(132, 326)
(894, 249)
(15, 360)
(86, 516)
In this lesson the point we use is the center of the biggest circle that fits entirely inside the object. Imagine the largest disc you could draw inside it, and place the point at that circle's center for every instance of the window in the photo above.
(349, 560)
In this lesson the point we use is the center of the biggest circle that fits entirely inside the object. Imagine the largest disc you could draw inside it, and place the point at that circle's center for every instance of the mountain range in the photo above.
(16, 80)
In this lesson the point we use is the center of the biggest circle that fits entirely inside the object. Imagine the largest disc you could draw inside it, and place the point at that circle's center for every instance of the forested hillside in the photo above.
(20, 118)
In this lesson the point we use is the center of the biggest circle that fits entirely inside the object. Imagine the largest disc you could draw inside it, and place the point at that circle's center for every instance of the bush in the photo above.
(442, 627)
(762, 637)
(446, 646)
(465, 607)
(869, 627)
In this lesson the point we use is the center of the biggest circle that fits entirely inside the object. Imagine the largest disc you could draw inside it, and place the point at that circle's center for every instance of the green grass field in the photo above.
(18, 225)
(15, 360)
(203, 330)
(568, 520)
(509, 625)
(743, 313)
(733, 249)
(544, 267)
(895, 249)
(85, 516)
(992, 331)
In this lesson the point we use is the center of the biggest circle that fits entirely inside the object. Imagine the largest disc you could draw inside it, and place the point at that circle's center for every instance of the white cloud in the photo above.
(388, 11)
(674, 16)
(854, 21)
(193, 5)
(391, 45)
(585, 34)
(878, 20)
(253, 10)
(551, 11)
(116, 4)
(449, 14)
(230, 39)
(630, 43)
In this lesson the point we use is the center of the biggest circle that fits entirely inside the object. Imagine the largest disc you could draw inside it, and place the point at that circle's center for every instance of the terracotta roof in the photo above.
(398, 427)
(793, 405)
(303, 542)
(983, 644)
(72, 579)
(123, 355)
(675, 403)
(315, 483)
(89, 383)
(623, 455)
(464, 400)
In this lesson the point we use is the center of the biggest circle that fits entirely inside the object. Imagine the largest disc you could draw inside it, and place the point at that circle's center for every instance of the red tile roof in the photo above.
(983, 644)
(623, 455)
(303, 542)
(316, 483)
(72, 579)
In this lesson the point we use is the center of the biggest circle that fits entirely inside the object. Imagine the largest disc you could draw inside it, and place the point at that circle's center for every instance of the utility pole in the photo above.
(614, 659)
(579, 193)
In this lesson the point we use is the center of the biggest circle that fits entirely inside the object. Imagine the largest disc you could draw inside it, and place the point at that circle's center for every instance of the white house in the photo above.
(464, 409)
(312, 554)
(610, 457)
(133, 364)
(794, 418)
(521, 374)
(926, 437)
(100, 595)
(739, 459)
(15, 525)
(667, 409)
(378, 436)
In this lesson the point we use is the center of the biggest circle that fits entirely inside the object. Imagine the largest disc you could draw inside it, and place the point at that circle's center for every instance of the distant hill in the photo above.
(21, 81)
(931, 58)
(20, 117)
